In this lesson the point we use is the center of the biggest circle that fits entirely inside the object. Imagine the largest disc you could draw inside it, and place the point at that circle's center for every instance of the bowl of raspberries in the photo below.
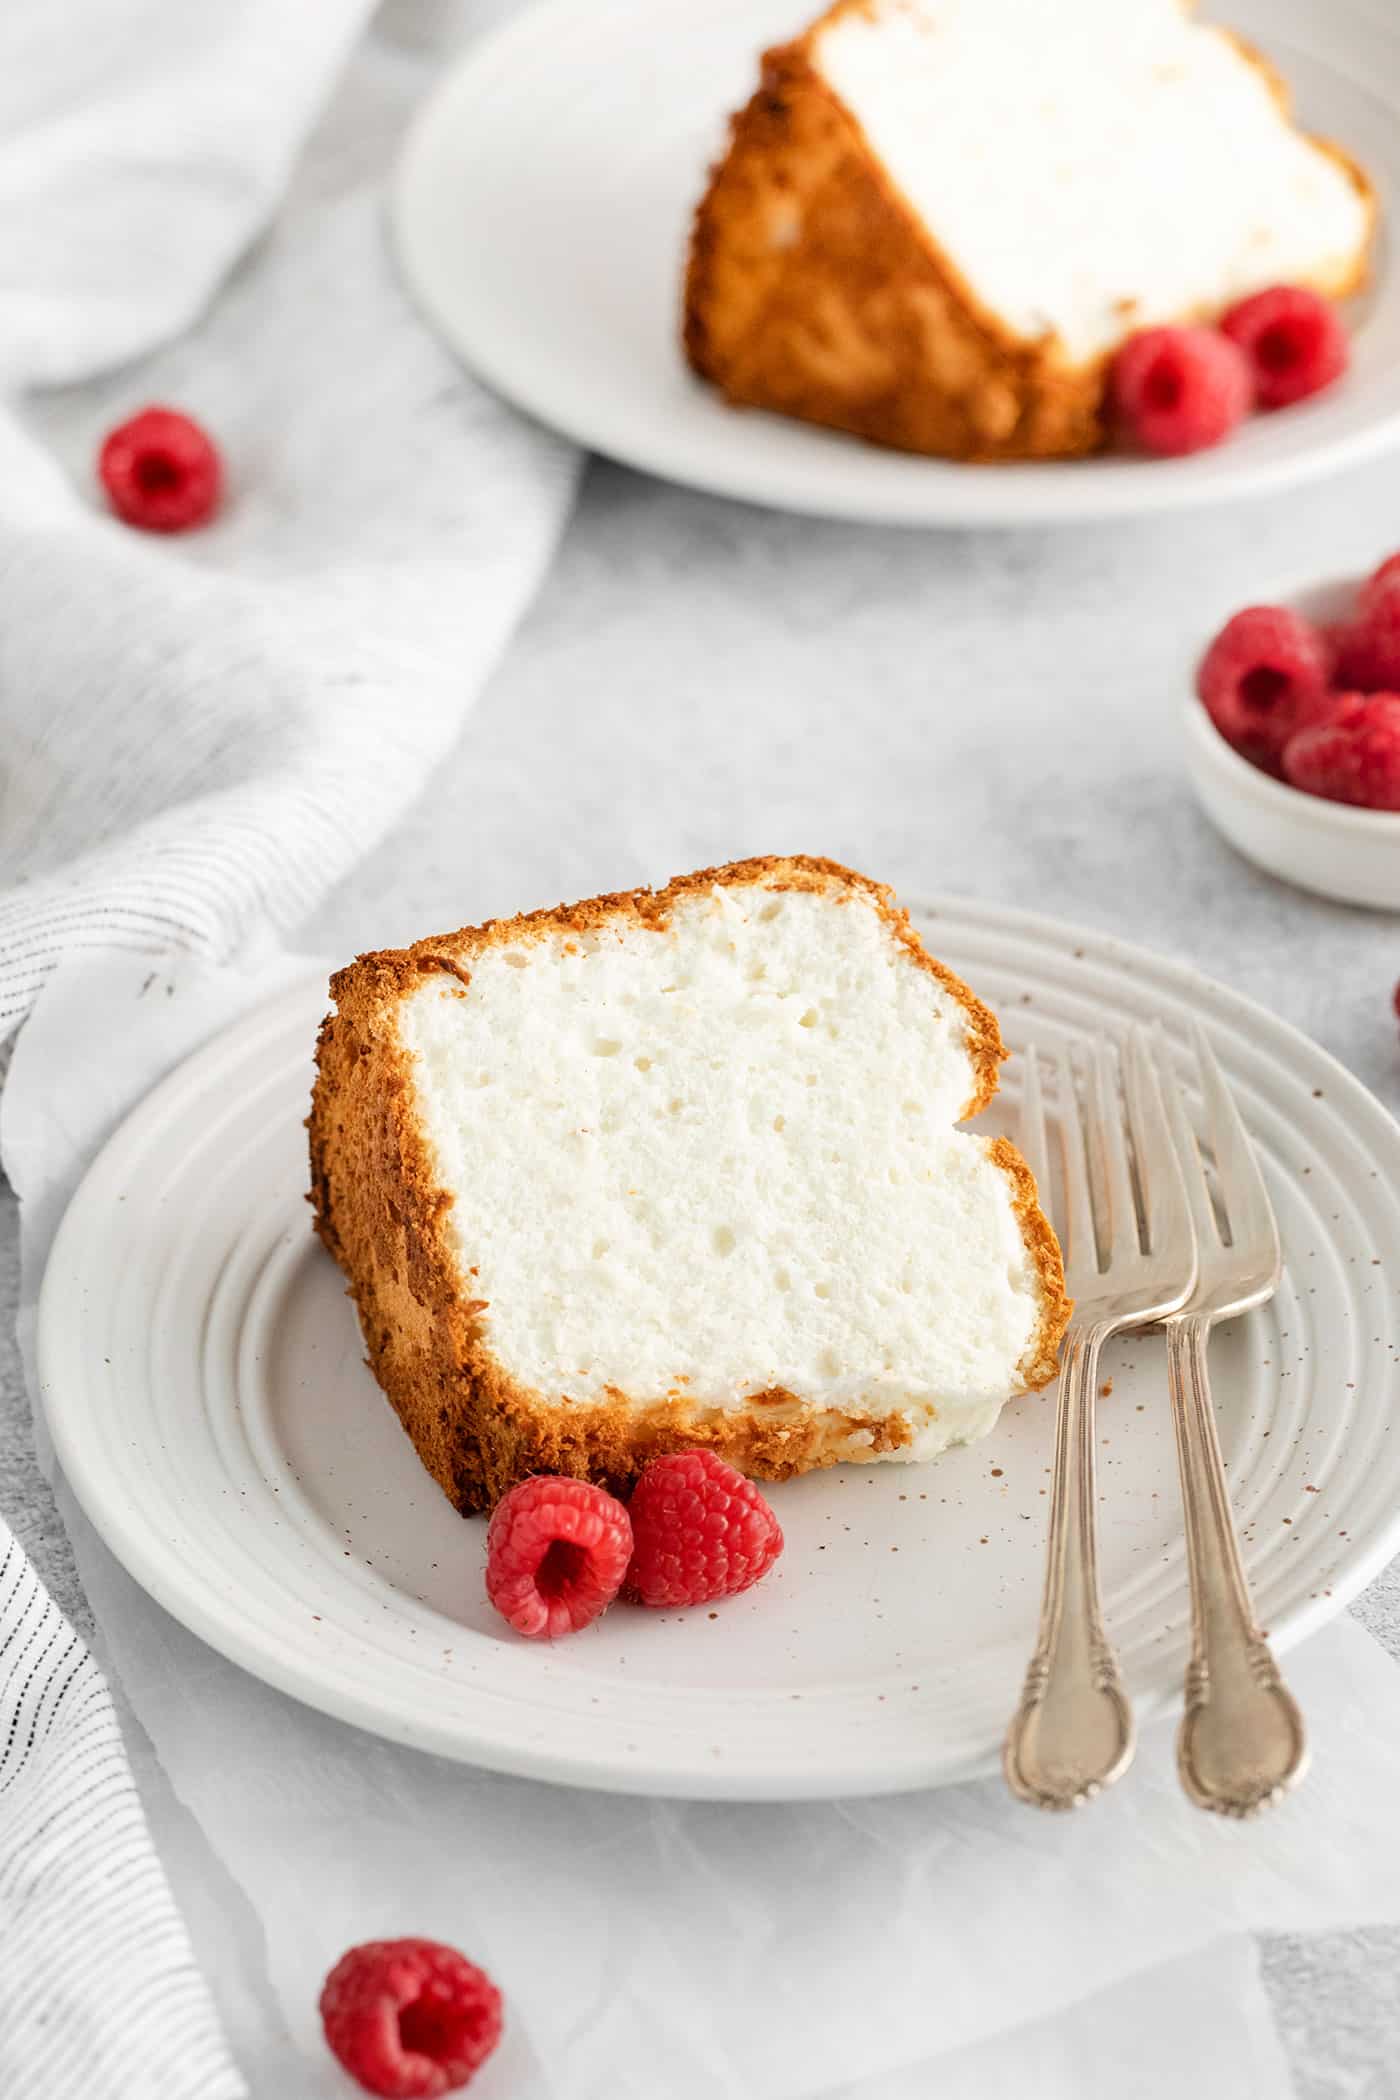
(1293, 736)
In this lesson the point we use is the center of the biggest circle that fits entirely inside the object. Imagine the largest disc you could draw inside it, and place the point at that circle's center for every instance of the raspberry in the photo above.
(1180, 389)
(1368, 647)
(161, 471)
(1263, 678)
(556, 1553)
(702, 1531)
(1293, 339)
(1353, 754)
(410, 2017)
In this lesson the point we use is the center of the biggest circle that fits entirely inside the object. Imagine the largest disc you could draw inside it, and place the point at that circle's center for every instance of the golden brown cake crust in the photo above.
(814, 290)
(380, 1213)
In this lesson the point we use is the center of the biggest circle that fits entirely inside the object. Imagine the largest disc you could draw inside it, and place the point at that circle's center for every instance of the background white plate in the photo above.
(203, 1375)
(542, 209)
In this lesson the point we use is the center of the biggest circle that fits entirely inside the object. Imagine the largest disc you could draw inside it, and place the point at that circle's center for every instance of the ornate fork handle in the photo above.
(1241, 1742)
(1073, 1731)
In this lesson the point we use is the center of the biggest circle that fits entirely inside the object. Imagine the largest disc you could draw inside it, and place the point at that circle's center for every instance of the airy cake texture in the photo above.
(679, 1168)
(937, 218)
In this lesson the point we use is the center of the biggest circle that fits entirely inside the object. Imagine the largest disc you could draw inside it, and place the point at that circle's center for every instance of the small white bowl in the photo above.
(1330, 847)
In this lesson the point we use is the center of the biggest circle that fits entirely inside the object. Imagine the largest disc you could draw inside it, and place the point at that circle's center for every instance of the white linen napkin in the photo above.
(99, 1993)
(861, 1950)
(202, 734)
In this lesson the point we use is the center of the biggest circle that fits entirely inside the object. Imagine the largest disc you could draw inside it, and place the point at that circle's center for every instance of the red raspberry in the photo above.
(410, 2017)
(1353, 754)
(556, 1553)
(1368, 647)
(702, 1531)
(1294, 340)
(161, 471)
(1180, 389)
(1263, 678)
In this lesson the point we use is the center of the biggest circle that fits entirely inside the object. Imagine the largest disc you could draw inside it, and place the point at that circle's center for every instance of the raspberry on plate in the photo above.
(701, 1529)
(1263, 678)
(410, 2019)
(161, 471)
(556, 1553)
(1180, 389)
(1294, 339)
(1353, 754)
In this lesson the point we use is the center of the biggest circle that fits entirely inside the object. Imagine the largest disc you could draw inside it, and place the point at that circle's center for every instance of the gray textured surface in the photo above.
(983, 713)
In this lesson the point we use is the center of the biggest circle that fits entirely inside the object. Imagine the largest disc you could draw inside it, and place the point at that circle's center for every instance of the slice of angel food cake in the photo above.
(937, 220)
(680, 1168)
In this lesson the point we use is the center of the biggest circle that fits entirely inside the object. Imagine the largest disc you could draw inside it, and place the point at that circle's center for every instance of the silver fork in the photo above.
(1242, 1742)
(1073, 1731)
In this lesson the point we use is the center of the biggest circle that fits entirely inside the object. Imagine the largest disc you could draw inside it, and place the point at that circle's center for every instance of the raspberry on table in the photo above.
(410, 2019)
(161, 471)
(701, 1530)
(1353, 754)
(1265, 677)
(1294, 339)
(556, 1553)
(1180, 389)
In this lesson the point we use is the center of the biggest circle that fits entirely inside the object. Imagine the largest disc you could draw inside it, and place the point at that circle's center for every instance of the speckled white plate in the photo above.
(204, 1381)
(541, 213)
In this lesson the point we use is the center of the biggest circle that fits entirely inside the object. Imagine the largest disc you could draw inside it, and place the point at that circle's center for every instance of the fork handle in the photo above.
(1073, 1731)
(1241, 1742)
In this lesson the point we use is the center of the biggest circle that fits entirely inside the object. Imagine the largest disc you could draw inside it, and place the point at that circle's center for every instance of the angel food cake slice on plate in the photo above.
(937, 219)
(679, 1168)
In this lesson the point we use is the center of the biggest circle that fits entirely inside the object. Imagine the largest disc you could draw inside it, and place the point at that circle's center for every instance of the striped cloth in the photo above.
(99, 1995)
(203, 734)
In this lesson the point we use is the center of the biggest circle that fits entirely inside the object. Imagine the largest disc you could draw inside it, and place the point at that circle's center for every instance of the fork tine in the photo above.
(1165, 1149)
(1081, 1246)
(1188, 1151)
(1034, 1149)
(1248, 1211)
(1108, 1152)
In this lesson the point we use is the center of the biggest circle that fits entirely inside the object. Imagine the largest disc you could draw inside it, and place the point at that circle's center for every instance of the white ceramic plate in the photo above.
(542, 210)
(203, 1376)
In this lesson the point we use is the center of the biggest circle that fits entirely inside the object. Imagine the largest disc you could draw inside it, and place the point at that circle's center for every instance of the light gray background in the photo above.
(986, 713)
